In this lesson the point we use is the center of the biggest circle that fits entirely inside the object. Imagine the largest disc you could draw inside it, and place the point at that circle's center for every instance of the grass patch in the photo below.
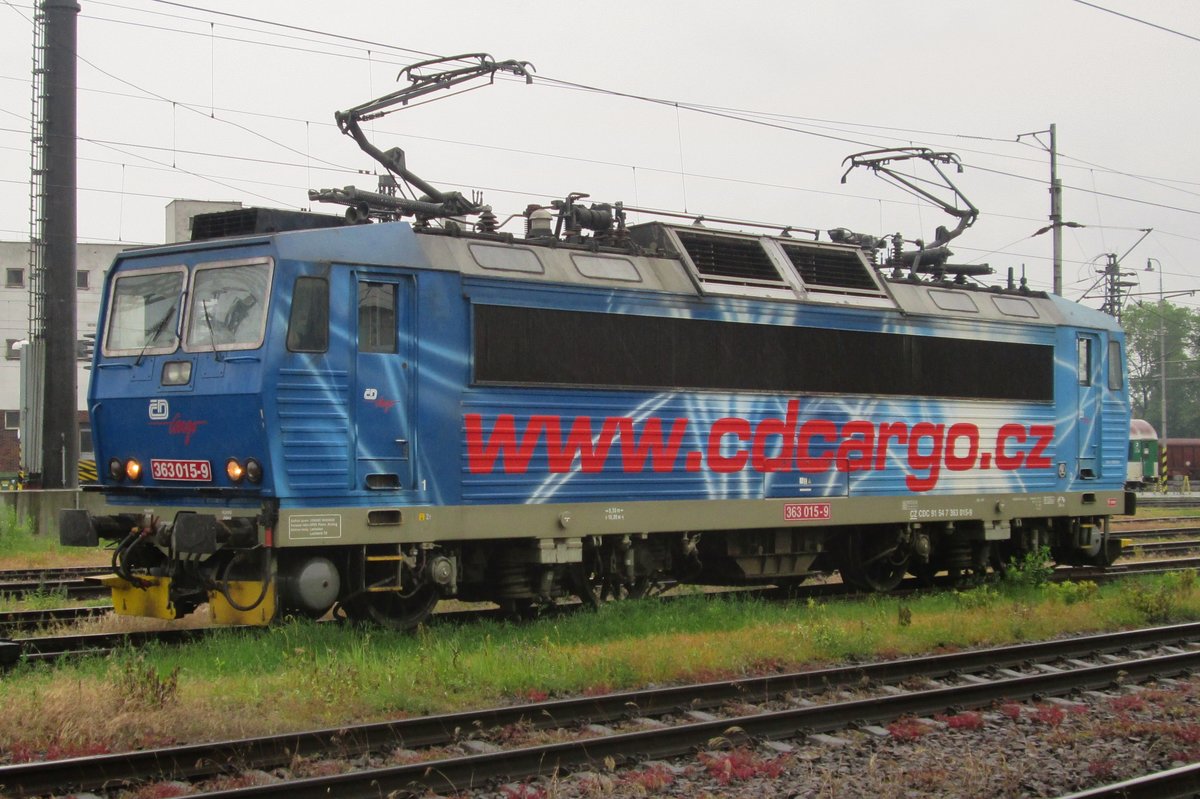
(20, 548)
(16, 535)
(302, 674)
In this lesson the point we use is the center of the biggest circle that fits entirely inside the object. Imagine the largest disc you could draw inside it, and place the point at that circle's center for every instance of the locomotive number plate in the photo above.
(805, 511)
(194, 471)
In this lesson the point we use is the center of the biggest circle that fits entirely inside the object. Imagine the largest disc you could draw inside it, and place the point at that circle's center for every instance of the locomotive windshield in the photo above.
(227, 306)
(144, 312)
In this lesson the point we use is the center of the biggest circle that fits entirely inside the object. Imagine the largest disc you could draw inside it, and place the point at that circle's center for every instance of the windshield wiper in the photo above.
(158, 329)
(212, 337)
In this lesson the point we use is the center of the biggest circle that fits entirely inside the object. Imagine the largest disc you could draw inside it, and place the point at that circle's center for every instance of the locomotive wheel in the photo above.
(873, 562)
(392, 609)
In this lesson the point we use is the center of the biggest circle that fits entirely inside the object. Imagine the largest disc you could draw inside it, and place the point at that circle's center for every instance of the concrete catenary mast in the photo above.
(53, 242)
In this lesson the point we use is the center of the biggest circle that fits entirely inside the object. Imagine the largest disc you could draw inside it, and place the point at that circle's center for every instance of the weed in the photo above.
(1050, 715)
(1124, 704)
(908, 729)
(1011, 710)
(982, 597)
(39, 599)
(1155, 604)
(140, 685)
(740, 764)
(163, 790)
(653, 778)
(1072, 592)
(25, 753)
(963, 721)
(16, 534)
(1032, 570)
(1019, 619)
(1183, 581)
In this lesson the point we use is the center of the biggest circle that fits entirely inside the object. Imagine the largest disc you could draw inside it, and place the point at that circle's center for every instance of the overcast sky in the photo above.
(223, 100)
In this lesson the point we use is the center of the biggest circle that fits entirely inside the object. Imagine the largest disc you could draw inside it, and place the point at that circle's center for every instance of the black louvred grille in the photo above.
(819, 266)
(729, 259)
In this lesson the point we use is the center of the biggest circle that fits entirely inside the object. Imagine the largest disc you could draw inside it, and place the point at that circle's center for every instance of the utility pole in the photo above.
(1056, 209)
(1056, 212)
(1162, 374)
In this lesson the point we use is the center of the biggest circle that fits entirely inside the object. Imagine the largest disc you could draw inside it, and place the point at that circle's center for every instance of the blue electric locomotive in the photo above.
(292, 413)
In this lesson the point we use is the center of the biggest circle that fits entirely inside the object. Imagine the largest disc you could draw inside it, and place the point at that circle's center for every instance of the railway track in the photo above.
(1163, 532)
(1168, 501)
(458, 752)
(51, 573)
(1162, 547)
(13, 621)
(55, 647)
(74, 582)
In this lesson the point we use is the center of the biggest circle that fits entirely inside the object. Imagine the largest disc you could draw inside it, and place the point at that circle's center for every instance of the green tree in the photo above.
(1178, 328)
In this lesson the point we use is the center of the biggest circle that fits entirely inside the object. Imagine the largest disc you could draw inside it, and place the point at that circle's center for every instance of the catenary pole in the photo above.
(60, 436)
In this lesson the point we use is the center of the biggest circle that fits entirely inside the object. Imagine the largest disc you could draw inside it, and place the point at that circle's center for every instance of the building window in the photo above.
(12, 420)
(85, 346)
(11, 352)
(14, 278)
(82, 279)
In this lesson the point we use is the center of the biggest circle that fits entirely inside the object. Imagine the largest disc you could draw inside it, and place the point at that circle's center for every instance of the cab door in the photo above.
(1088, 427)
(383, 381)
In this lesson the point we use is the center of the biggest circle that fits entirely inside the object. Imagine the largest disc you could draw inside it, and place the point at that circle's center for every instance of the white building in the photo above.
(92, 263)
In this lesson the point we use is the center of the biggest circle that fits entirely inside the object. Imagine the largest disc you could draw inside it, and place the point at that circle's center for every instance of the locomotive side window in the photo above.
(144, 312)
(228, 306)
(1116, 376)
(1083, 361)
(308, 323)
(376, 317)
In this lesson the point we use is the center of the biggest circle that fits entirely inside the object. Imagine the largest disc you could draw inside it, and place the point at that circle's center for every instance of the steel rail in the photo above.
(1177, 783)
(208, 759)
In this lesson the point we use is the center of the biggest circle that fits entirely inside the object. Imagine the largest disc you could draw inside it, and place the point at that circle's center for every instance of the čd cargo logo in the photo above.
(734, 444)
(160, 412)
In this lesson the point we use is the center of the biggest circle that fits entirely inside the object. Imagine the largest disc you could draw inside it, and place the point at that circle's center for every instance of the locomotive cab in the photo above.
(177, 390)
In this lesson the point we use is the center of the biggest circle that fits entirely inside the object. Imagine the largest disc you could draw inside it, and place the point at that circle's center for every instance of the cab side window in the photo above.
(308, 324)
(376, 317)
(1116, 376)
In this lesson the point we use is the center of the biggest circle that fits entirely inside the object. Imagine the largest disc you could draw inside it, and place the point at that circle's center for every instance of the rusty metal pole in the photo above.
(60, 437)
